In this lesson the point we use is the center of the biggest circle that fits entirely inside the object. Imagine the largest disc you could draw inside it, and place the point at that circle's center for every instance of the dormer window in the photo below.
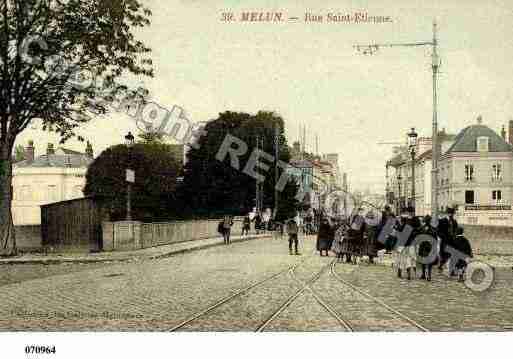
(482, 144)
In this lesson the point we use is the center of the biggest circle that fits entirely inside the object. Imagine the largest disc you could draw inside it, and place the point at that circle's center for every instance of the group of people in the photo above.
(413, 242)
(351, 238)
(424, 244)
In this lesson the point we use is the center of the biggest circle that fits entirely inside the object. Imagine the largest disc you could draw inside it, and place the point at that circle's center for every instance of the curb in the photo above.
(125, 259)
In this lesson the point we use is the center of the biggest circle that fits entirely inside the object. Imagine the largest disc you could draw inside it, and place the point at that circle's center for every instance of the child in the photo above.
(462, 245)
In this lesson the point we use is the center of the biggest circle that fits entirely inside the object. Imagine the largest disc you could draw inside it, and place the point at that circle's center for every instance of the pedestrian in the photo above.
(246, 225)
(370, 236)
(258, 222)
(292, 230)
(405, 252)
(355, 236)
(386, 224)
(324, 237)
(462, 245)
(446, 230)
(227, 227)
(338, 246)
(427, 248)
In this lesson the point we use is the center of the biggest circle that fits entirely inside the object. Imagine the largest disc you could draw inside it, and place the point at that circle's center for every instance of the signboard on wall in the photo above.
(477, 207)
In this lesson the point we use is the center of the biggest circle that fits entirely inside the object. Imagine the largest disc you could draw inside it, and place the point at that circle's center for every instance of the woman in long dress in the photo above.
(324, 237)
(370, 237)
(355, 236)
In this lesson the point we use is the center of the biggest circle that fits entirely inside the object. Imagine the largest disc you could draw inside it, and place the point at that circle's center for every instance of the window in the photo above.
(25, 193)
(497, 196)
(469, 172)
(497, 172)
(482, 144)
(469, 197)
(52, 193)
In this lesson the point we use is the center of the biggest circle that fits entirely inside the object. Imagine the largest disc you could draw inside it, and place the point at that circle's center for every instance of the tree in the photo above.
(153, 193)
(212, 187)
(19, 153)
(55, 57)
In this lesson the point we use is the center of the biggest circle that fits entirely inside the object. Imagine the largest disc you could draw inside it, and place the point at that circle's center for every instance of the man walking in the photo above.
(447, 228)
(227, 227)
(292, 230)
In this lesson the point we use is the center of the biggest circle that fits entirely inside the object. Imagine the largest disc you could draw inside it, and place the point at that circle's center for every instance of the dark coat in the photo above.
(325, 237)
(462, 245)
(425, 247)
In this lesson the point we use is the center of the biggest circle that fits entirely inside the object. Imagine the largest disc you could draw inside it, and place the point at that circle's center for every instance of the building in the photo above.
(55, 176)
(475, 173)
(332, 158)
(399, 183)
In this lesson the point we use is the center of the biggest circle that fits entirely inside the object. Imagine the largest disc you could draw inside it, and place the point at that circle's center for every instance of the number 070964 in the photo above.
(40, 349)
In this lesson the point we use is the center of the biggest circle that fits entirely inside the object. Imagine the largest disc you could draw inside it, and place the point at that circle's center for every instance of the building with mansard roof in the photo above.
(476, 175)
(57, 175)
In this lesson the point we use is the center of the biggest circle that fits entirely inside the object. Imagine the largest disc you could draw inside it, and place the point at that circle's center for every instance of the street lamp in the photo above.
(412, 143)
(399, 179)
(130, 175)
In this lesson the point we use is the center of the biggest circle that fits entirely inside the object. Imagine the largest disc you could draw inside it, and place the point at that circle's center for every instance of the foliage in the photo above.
(153, 193)
(211, 187)
(55, 59)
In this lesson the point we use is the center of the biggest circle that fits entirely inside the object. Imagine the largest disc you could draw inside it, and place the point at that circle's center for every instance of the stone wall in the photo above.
(28, 238)
(132, 235)
(490, 239)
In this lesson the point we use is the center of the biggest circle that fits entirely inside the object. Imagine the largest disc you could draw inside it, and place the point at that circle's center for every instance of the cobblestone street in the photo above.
(247, 286)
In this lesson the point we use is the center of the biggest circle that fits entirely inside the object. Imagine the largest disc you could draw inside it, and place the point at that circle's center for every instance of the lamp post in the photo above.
(130, 175)
(412, 143)
(399, 179)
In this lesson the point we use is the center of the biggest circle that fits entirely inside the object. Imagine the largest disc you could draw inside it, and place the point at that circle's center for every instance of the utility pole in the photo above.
(276, 158)
(435, 66)
(257, 184)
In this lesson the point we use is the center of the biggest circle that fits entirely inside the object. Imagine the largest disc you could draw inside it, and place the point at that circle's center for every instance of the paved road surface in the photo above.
(209, 290)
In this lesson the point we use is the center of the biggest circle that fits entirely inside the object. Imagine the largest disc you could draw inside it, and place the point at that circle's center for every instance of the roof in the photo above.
(301, 163)
(396, 161)
(76, 160)
(66, 151)
(466, 140)
(426, 154)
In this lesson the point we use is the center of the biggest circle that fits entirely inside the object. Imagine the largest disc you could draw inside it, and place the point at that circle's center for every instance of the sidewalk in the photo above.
(136, 255)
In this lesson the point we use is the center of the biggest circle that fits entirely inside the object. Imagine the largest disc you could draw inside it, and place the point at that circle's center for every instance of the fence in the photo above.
(132, 235)
(73, 225)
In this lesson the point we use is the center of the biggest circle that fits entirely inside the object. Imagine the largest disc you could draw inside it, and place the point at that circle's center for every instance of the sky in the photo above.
(311, 74)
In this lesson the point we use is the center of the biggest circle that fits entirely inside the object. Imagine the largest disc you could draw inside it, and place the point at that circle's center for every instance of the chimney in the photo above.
(297, 147)
(50, 150)
(503, 133)
(510, 132)
(89, 150)
(29, 151)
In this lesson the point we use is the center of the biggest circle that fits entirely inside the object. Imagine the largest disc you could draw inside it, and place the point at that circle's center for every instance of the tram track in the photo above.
(306, 286)
(403, 316)
(232, 297)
